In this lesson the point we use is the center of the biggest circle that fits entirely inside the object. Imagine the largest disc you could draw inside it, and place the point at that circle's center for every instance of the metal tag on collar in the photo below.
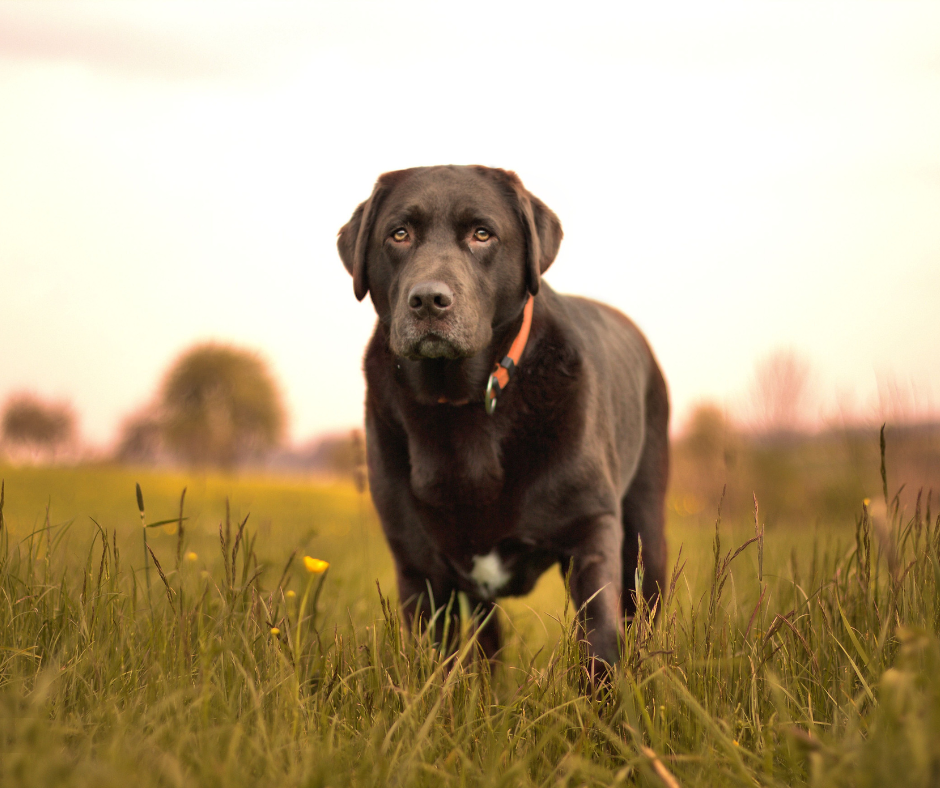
(489, 398)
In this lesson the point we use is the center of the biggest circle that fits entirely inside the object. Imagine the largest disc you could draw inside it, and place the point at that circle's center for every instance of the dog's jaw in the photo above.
(435, 346)
(450, 339)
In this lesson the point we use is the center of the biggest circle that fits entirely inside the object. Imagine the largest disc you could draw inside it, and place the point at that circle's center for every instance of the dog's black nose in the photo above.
(430, 299)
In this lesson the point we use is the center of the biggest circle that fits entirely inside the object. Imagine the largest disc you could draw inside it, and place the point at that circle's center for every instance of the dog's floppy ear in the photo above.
(353, 239)
(542, 228)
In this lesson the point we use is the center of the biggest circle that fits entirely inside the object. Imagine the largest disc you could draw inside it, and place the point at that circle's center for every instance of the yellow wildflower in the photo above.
(866, 501)
(275, 631)
(191, 556)
(291, 594)
(315, 565)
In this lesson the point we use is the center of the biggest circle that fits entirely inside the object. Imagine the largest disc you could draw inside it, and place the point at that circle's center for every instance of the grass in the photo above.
(786, 657)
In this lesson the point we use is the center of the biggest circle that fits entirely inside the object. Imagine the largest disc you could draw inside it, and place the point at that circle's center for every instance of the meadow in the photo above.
(797, 654)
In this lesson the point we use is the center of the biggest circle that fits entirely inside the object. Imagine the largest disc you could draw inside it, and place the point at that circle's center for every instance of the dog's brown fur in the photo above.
(572, 466)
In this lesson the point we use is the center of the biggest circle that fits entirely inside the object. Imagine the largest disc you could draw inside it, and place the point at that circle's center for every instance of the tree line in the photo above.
(217, 405)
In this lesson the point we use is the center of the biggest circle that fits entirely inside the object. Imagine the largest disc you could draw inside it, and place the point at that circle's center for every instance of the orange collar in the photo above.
(503, 370)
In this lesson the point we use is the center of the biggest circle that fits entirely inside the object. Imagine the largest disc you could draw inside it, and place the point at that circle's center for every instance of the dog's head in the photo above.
(448, 254)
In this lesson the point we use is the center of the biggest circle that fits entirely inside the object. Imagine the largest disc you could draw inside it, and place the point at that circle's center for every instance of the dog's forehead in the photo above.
(447, 191)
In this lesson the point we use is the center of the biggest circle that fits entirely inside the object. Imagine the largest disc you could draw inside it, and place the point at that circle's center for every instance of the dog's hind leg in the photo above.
(644, 505)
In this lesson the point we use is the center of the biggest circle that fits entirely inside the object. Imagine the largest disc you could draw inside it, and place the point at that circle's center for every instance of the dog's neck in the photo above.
(457, 382)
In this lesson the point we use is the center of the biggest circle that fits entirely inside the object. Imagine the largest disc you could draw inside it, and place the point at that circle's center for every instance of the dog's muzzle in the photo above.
(430, 325)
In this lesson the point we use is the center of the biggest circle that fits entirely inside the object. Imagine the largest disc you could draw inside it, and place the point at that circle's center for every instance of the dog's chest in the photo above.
(490, 574)
(451, 469)
(510, 568)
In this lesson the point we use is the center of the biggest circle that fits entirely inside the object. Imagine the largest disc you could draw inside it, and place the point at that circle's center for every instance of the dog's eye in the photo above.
(400, 235)
(481, 234)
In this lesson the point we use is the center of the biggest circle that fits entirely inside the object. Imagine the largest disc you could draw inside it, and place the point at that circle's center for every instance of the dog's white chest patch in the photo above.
(489, 573)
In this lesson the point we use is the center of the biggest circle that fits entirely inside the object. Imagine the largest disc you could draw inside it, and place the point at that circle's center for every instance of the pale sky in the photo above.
(737, 177)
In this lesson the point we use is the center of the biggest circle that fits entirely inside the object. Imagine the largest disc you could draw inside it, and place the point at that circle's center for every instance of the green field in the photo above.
(810, 658)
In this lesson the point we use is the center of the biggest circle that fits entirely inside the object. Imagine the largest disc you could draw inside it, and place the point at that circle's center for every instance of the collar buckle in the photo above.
(489, 397)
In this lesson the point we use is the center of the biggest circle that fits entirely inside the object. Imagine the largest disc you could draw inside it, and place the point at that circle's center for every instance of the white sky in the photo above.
(737, 177)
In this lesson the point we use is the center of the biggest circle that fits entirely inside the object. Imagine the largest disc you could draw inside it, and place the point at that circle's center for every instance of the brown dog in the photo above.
(482, 483)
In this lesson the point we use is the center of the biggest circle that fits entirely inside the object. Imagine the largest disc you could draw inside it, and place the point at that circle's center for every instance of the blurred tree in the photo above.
(141, 438)
(36, 425)
(342, 455)
(781, 392)
(704, 459)
(220, 405)
(707, 434)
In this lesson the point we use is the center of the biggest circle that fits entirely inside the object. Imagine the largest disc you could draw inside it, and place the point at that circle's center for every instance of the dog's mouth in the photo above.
(431, 339)
(449, 337)
(433, 345)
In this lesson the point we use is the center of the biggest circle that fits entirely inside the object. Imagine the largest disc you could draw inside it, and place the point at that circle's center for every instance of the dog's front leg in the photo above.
(429, 605)
(487, 629)
(596, 589)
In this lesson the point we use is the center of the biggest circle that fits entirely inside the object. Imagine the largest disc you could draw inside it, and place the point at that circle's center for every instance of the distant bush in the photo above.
(799, 478)
(141, 438)
(219, 405)
(37, 426)
(704, 458)
(339, 455)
